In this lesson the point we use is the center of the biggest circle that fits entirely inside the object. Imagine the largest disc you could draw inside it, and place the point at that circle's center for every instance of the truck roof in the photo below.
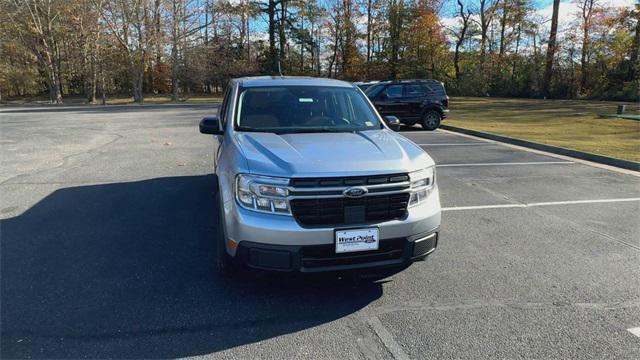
(256, 81)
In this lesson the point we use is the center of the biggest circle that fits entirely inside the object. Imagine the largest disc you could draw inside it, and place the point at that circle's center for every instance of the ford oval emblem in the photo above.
(355, 192)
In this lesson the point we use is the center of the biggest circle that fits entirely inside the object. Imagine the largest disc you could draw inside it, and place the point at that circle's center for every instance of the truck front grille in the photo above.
(345, 211)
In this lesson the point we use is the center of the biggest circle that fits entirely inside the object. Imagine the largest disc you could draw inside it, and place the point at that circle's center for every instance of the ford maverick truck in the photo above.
(311, 178)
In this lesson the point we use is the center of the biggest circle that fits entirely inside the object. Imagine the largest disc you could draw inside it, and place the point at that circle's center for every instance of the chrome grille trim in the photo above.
(333, 196)
(336, 192)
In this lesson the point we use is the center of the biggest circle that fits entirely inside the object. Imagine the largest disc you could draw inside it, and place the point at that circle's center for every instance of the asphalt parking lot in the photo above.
(107, 221)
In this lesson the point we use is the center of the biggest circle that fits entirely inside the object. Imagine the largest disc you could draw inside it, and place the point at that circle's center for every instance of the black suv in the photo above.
(411, 101)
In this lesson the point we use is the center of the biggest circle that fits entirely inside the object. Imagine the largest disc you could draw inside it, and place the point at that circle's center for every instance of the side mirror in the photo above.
(393, 122)
(210, 125)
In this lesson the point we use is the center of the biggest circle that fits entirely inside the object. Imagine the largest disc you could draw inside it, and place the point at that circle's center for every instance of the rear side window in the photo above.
(393, 91)
(412, 90)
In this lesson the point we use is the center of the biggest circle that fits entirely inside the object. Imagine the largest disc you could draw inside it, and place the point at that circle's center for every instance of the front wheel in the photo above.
(431, 120)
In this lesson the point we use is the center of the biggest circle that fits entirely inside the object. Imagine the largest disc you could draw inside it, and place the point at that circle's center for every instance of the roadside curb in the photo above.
(66, 107)
(625, 164)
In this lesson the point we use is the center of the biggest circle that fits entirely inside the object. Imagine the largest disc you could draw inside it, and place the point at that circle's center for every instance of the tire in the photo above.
(431, 120)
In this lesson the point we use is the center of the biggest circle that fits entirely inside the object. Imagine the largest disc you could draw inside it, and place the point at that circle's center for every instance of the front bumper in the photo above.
(277, 242)
(322, 258)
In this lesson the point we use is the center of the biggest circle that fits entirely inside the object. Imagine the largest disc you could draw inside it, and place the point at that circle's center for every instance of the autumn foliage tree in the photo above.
(91, 49)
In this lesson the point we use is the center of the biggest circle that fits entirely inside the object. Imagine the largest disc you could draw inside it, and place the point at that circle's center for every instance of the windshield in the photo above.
(289, 109)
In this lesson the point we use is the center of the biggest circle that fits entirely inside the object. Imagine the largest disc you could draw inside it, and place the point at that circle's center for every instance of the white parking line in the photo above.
(456, 144)
(557, 156)
(583, 202)
(480, 207)
(387, 339)
(508, 164)
(550, 203)
(635, 331)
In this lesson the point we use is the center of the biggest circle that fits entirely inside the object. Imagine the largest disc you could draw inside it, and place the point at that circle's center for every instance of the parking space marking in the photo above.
(635, 331)
(387, 339)
(481, 207)
(540, 152)
(549, 203)
(456, 144)
(508, 163)
(583, 201)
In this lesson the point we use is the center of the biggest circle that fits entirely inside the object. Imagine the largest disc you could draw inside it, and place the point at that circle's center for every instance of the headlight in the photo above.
(422, 182)
(261, 193)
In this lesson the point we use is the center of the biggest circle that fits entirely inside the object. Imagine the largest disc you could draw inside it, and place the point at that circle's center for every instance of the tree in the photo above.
(270, 8)
(127, 22)
(334, 23)
(63, 48)
(505, 8)
(350, 56)
(485, 13)
(521, 22)
(85, 31)
(183, 24)
(39, 24)
(397, 13)
(460, 35)
(635, 48)
(369, 28)
(551, 48)
(587, 8)
(423, 42)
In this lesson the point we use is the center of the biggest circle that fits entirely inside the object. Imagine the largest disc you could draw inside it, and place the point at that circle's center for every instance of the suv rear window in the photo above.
(434, 89)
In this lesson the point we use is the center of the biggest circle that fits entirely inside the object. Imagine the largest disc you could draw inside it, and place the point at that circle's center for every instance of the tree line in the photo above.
(97, 48)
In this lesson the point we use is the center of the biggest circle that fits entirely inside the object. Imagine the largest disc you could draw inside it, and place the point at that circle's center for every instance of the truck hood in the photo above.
(330, 154)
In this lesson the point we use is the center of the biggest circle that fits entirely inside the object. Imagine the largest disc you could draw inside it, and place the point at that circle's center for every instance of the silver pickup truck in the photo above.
(310, 178)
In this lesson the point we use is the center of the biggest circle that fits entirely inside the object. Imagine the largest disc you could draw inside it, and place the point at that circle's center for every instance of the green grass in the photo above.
(572, 124)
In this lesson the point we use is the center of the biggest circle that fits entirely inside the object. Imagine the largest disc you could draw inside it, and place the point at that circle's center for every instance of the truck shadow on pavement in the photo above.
(125, 270)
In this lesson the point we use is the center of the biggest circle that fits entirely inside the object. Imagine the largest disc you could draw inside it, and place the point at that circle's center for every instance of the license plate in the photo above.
(357, 240)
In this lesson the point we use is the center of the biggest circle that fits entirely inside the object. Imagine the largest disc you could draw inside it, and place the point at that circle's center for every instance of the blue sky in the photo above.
(542, 3)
